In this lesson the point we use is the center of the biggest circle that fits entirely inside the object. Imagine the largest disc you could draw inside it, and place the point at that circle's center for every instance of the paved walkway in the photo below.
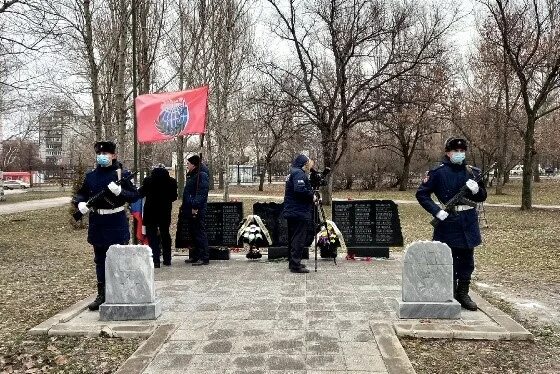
(244, 316)
(25, 206)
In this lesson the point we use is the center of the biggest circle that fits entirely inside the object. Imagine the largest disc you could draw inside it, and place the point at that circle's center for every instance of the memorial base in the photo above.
(129, 312)
(419, 309)
(282, 252)
(216, 253)
(369, 251)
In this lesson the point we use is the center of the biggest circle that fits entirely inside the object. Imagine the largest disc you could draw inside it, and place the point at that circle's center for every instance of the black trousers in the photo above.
(463, 263)
(297, 240)
(154, 242)
(197, 230)
(99, 256)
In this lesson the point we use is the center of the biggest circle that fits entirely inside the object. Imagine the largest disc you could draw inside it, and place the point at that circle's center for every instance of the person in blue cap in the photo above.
(108, 222)
(298, 210)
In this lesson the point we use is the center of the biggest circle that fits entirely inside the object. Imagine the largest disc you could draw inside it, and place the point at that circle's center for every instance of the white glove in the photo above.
(115, 188)
(473, 186)
(442, 215)
(82, 207)
(143, 230)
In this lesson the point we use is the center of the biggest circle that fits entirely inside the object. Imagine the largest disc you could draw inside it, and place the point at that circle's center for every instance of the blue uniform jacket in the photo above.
(195, 194)
(459, 230)
(107, 229)
(298, 196)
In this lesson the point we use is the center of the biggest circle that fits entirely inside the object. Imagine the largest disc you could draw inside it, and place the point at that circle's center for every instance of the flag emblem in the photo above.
(173, 117)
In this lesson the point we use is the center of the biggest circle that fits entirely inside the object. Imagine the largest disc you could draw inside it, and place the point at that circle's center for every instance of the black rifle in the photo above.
(100, 195)
(459, 198)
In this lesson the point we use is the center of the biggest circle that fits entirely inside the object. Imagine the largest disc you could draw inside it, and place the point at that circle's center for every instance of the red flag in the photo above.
(163, 116)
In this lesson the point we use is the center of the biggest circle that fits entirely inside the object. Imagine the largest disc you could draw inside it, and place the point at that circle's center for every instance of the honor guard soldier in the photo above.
(460, 229)
(108, 222)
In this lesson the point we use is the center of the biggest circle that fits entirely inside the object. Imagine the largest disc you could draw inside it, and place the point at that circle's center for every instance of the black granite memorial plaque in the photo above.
(277, 226)
(369, 227)
(222, 222)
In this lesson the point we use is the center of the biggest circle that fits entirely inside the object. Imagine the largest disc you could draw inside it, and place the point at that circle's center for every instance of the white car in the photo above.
(15, 184)
(516, 170)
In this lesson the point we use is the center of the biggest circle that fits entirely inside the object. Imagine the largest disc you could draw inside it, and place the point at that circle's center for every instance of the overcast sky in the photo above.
(462, 37)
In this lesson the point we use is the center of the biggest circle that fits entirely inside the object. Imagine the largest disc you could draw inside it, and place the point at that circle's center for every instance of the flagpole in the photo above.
(202, 140)
(134, 85)
(134, 94)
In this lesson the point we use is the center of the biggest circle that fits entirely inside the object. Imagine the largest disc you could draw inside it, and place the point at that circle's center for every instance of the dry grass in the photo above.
(47, 267)
(520, 251)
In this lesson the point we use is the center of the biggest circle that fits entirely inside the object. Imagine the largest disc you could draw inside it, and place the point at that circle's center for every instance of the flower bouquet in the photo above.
(253, 234)
(329, 240)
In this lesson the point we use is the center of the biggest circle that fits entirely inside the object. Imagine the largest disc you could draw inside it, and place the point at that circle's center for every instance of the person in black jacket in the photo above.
(459, 231)
(108, 222)
(298, 210)
(160, 191)
(193, 209)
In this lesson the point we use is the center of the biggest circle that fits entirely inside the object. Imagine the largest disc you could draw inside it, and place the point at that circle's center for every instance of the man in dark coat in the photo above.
(108, 222)
(160, 191)
(459, 231)
(298, 210)
(193, 209)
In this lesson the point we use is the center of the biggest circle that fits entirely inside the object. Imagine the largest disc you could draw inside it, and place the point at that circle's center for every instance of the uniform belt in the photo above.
(460, 208)
(109, 211)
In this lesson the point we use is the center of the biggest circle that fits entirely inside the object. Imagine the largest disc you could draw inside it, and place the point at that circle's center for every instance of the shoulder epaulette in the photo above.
(437, 167)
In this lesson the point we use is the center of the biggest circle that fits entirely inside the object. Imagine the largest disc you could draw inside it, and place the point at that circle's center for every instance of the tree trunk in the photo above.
(536, 172)
(328, 158)
(403, 183)
(120, 96)
(349, 182)
(225, 181)
(93, 72)
(261, 179)
(528, 153)
(180, 165)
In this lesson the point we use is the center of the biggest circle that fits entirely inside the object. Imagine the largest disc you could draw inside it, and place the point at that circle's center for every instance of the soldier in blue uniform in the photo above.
(108, 222)
(460, 230)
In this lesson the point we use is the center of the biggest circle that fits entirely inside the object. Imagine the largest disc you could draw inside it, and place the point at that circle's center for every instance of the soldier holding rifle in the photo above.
(108, 222)
(456, 225)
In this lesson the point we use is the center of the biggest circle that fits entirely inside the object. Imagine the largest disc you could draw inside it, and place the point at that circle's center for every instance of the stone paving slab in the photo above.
(256, 316)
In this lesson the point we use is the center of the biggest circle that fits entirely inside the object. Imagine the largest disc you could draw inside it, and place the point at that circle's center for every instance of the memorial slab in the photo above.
(427, 282)
(129, 284)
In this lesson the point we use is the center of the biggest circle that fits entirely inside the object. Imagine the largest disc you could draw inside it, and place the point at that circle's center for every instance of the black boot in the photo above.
(463, 297)
(100, 299)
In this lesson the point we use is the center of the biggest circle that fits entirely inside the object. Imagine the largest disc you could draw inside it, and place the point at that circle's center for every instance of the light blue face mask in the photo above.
(103, 160)
(457, 157)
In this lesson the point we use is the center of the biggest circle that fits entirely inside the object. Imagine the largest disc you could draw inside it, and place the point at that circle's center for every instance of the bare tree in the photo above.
(530, 38)
(275, 124)
(410, 115)
(346, 51)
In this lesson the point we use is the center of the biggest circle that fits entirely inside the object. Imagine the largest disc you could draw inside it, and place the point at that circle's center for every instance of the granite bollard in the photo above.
(427, 282)
(129, 284)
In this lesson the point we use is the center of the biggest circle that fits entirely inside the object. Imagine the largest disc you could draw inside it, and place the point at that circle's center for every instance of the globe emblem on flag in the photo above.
(173, 117)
